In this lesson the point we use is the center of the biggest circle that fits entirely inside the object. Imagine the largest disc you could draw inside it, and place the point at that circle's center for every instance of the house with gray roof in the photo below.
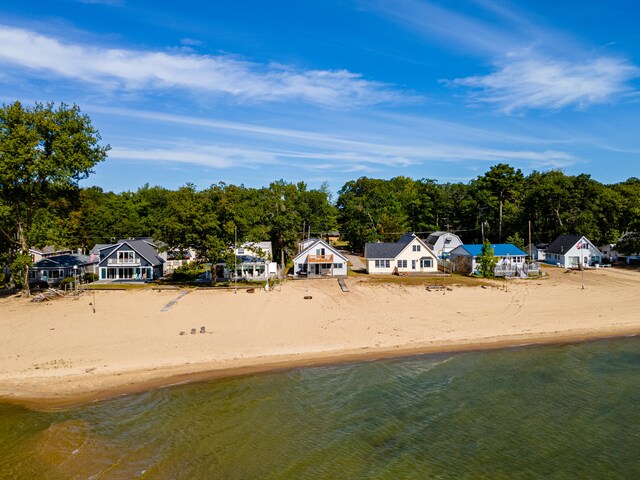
(442, 243)
(409, 254)
(573, 251)
(56, 268)
(130, 259)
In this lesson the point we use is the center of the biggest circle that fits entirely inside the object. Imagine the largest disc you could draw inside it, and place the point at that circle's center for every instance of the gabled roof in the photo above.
(63, 261)
(265, 246)
(143, 247)
(100, 246)
(499, 250)
(433, 237)
(388, 249)
(325, 245)
(564, 243)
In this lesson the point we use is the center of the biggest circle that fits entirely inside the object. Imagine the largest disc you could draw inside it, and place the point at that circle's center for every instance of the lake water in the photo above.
(561, 412)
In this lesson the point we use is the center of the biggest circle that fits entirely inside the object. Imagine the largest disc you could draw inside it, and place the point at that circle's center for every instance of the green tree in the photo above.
(501, 187)
(44, 153)
(486, 260)
(516, 240)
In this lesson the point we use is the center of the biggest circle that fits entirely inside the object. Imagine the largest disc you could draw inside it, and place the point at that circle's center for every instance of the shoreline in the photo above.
(175, 375)
(62, 353)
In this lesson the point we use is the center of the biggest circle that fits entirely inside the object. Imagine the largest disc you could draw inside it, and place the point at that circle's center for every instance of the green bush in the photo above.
(189, 272)
(90, 277)
(67, 281)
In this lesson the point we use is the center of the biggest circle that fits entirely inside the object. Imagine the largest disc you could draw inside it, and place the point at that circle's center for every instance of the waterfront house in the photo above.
(317, 258)
(410, 254)
(511, 259)
(38, 254)
(573, 251)
(56, 268)
(254, 262)
(442, 243)
(130, 259)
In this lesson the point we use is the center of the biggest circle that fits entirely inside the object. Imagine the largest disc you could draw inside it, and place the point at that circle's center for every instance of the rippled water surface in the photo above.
(545, 412)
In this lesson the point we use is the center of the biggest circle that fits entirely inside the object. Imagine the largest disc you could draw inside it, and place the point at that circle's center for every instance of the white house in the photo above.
(410, 254)
(441, 243)
(571, 251)
(317, 258)
(254, 261)
(537, 252)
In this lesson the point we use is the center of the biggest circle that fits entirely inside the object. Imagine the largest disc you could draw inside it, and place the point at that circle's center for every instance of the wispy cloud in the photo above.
(140, 70)
(525, 83)
(533, 67)
(303, 149)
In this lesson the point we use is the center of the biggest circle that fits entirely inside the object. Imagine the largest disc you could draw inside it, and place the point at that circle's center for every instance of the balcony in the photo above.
(124, 262)
(320, 259)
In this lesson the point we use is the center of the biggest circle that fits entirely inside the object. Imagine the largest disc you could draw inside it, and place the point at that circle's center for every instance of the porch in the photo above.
(126, 273)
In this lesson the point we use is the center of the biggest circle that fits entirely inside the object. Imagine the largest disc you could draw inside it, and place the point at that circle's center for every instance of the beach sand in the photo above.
(61, 353)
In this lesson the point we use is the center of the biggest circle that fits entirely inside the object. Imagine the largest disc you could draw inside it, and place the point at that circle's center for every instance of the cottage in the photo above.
(56, 268)
(38, 254)
(318, 258)
(573, 251)
(136, 259)
(254, 262)
(410, 254)
(511, 259)
(442, 243)
(537, 252)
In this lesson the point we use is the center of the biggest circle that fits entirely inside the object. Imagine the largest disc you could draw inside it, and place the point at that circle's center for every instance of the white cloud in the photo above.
(521, 83)
(139, 70)
(301, 149)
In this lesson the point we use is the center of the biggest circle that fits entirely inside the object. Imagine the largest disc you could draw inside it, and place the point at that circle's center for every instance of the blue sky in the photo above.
(253, 91)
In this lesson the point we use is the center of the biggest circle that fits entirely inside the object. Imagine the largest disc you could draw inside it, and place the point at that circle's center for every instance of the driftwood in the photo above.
(47, 295)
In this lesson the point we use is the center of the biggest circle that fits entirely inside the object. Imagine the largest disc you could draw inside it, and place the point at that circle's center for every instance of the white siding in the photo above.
(409, 260)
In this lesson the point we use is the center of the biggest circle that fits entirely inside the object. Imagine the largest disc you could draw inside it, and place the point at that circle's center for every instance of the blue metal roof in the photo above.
(499, 249)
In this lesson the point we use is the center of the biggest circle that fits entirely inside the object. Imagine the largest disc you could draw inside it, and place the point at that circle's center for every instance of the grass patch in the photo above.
(454, 279)
(118, 286)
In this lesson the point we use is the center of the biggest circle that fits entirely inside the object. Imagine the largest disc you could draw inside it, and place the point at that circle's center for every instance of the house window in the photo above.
(126, 256)
(337, 265)
(427, 263)
(416, 248)
(402, 264)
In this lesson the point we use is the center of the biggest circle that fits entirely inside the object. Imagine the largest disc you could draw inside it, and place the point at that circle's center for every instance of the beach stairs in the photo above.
(343, 284)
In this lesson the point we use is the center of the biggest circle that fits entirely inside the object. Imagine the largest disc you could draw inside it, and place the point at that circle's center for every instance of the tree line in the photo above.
(46, 151)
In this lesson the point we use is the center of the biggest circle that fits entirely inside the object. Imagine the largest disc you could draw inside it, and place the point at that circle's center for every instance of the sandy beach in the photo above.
(60, 353)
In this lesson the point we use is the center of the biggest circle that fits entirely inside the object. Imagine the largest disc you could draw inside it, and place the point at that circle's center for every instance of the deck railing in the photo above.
(124, 261)
(320, 258)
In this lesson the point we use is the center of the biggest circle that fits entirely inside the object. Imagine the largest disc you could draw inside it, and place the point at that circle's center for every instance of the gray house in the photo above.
(55, 269)
(136, 259)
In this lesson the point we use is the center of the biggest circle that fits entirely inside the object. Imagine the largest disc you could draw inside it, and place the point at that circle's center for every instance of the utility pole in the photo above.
(530, 259)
